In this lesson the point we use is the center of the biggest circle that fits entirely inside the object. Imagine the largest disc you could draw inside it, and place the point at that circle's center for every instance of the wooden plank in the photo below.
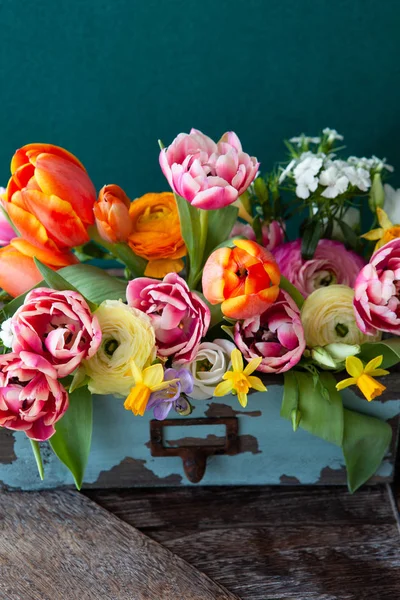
(293, 543)
(62, 546)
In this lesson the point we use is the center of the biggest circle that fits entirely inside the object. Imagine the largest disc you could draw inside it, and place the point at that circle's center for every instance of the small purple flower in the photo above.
(171, 397)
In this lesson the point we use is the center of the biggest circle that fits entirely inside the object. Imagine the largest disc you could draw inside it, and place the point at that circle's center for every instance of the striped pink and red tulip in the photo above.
(31, 398)
(209, 175)
(57, 326)
(377, 291)
(276, 335)
(180, 317)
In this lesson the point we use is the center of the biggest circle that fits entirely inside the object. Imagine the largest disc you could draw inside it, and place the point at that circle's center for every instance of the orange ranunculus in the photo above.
(156, 233)
(244, 279)
(50, 197)
(18, 272)
(112, 214)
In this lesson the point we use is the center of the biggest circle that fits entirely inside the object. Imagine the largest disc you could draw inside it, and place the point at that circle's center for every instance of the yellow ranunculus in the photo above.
(328, 317)
(127, 336)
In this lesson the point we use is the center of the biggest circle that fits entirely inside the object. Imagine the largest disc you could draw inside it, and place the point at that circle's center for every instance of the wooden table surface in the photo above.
(299, 543)
(196, 543)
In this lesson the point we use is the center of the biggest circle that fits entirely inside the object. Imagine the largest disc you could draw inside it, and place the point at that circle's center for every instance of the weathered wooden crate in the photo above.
(235, 446)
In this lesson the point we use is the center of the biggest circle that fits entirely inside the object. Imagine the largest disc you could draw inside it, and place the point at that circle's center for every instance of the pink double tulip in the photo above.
(276, 335)
(209, 175)
(57, 326)
(180, 317)
(376, 291)
(31, 398)
(272, 234)
(332, 263)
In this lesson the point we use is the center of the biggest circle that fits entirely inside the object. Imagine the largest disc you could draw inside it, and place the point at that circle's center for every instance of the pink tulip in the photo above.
(272, 234)
(206, 174)
(276, 335)
(7, 233)
(376, 291)
(332, 263)
(180, 317)
(31, 398)
(57, 326)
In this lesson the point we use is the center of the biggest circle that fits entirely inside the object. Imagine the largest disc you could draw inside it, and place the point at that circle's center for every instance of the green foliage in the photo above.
(72, 440)
(390, 350)
(312, 233)
(292, 291)
(316, 406)
(36, 453)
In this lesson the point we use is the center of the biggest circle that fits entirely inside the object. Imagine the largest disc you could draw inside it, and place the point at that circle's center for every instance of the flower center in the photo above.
(342, 330)
(240, 383)
(325, 279)
(110, 346)
(203, 365)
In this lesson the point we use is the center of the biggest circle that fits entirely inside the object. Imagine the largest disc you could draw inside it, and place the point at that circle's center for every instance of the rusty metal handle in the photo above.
(194, 457)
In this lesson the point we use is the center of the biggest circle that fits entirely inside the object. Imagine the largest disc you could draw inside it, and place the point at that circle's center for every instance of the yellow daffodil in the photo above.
(385, 233)
(240, 380)
(363, 377)
(147, 381)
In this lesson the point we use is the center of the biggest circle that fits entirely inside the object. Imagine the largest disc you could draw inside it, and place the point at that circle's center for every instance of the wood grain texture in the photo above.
(282, 543)
(61, 546)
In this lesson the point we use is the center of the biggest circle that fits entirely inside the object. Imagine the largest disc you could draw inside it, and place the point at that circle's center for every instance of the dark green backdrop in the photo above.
(106, 78)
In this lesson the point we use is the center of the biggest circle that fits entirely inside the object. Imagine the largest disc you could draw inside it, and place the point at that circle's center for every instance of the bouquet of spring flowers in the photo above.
(208, 296)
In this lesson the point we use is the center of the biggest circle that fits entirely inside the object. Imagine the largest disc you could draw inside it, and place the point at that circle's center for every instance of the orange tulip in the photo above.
(156, 233)
(50, 197)
(112, 214)
(18, 272)
(244, 279)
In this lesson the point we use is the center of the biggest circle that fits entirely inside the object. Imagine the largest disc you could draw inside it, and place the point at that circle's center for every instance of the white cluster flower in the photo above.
(371, 164)
(305, 173)
(336, 183)
(332, 134)
(304, 139)
(286, 170)
(6, 333)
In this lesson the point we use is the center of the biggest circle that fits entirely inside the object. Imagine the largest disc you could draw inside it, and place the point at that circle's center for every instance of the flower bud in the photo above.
(112, 214)
(377, 193)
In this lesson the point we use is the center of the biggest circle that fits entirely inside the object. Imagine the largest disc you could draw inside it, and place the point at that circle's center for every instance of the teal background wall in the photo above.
(106, 78)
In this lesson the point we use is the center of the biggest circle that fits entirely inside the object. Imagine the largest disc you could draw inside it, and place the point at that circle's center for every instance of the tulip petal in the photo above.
(60, 177)
(29, 152)
(52, 258)
(18, 273)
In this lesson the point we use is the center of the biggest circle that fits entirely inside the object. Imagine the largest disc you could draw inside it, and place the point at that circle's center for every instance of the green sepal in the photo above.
(72, 440)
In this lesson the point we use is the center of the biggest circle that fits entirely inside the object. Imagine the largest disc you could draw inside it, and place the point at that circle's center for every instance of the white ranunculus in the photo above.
(6, 333)
(392, 203)
(212, 361)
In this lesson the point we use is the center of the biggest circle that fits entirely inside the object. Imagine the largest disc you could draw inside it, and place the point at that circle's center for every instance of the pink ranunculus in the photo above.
(31, 398)
(57, 326)
(332, 263)
(377, 291)
(180, 317)
(209, 175)
(276, 335)
(272, 234)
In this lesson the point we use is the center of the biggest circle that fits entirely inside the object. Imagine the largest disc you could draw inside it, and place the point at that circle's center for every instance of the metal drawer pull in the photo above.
(194, 457)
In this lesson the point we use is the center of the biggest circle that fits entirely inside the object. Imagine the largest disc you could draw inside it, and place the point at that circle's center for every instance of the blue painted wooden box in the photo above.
(268, 451)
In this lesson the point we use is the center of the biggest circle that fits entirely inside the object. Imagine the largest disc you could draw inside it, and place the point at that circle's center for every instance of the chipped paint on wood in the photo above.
(271, 453)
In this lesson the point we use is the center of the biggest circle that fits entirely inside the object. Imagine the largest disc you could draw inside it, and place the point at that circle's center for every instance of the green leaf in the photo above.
(365, 442)
(292, 291)
(71, 442)
(320, 407)
(220, 225)
(36, 452)
(57, 281)
(311, 236)
(191, 228)
(94, 283)
(390, 350)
